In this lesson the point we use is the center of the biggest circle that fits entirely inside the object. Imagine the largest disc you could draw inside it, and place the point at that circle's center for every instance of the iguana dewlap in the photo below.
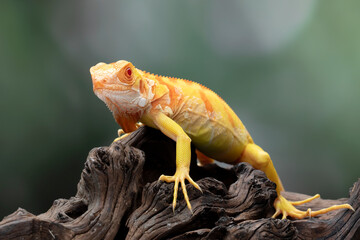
(186, 111)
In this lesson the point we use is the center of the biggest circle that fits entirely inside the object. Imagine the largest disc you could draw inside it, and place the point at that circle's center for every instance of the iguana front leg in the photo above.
(183, 155)
(122, 133)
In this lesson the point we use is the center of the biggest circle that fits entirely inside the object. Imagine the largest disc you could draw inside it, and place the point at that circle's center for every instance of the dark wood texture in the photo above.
(119, 197)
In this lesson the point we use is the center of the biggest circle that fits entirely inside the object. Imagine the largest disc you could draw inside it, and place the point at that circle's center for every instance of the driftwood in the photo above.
(119, 197)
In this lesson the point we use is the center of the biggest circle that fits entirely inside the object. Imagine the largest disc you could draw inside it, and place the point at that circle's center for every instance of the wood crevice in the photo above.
(119, 197)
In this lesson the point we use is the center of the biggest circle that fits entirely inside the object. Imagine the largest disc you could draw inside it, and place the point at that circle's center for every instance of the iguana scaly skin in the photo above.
(186, 111)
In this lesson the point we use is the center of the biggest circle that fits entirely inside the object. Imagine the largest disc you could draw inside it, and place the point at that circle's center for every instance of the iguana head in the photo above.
(121, 86)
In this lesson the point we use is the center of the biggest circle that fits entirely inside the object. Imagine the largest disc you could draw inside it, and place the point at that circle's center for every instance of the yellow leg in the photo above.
(259, 159)
(203, 159)
(183, 155)
(122, 134)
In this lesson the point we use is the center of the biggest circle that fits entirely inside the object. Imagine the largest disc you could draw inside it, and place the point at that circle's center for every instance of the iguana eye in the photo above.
(125, 74)
(128, 72)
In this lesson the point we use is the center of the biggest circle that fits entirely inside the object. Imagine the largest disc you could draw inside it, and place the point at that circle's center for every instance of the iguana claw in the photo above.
(180, 176)
(286, 208)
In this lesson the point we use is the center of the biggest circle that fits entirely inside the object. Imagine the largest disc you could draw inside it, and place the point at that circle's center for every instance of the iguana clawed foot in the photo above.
(286, 208)
(122, 133)
(180, 175)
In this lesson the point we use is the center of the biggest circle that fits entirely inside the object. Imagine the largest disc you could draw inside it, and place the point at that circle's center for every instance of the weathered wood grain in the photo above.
(119, 197)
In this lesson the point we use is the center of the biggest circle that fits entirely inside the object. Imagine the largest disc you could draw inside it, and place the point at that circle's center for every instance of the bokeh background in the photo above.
(289, 69)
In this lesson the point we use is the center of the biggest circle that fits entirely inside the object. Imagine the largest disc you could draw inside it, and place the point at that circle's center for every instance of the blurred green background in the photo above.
(289, 69)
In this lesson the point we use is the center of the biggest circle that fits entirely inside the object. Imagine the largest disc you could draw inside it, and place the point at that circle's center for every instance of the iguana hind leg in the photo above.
(260, 159)
(203, 159)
